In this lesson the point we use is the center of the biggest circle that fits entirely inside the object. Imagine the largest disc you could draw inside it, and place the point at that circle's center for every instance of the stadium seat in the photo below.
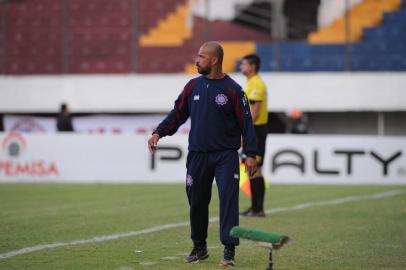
(101, 38)
(150, 12)
(382, 48)
(368, 13)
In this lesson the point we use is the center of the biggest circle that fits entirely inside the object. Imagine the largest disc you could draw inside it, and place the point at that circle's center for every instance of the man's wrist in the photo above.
(250, 155)
(156, 132)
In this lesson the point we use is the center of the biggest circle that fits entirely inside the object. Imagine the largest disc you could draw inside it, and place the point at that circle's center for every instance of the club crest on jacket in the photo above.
(221, 99)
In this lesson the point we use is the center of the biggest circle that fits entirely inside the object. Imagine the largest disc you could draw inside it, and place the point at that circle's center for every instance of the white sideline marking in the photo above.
(169, 258)
(148, 263)
(186, 223)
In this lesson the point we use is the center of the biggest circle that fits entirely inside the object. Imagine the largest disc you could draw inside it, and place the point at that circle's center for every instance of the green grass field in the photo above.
(366, 233)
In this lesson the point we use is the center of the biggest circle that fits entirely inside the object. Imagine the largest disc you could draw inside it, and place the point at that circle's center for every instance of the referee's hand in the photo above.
(250, 166)
(152, 143)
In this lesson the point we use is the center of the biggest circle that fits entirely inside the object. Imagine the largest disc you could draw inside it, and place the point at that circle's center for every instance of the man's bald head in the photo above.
(210, 58)
(215, 49)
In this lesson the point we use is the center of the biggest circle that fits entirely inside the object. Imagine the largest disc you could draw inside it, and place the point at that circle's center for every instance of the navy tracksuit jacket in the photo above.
(220, 115)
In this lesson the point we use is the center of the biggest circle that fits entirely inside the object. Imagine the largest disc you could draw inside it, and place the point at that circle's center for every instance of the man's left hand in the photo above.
(250, 166)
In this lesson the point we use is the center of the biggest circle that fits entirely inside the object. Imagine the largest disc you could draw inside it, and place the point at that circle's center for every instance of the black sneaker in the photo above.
(247, 213)
(197, 254)
(229, 254)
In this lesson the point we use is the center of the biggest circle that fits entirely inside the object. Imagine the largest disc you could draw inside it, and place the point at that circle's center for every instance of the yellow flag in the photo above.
(245, 181)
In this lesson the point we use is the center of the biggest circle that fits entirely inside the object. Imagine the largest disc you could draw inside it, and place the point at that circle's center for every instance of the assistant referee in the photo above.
(257, 97)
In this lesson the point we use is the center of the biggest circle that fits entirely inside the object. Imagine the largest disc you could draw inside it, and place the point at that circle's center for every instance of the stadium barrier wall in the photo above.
(338, 91)
(76, 158)
(90, 124)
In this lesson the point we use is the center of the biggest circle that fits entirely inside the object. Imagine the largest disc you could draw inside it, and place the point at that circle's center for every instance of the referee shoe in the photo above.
(229, 254)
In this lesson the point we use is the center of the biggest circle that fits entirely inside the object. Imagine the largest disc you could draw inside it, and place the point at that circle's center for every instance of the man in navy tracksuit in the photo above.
(220, 115)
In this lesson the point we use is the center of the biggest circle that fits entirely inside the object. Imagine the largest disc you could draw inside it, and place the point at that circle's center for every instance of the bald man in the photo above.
(220, 115)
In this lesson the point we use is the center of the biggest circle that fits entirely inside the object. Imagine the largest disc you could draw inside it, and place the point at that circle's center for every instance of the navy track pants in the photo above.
(201, 169)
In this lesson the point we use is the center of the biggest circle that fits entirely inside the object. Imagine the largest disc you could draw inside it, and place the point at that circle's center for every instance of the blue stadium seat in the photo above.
(383, 49)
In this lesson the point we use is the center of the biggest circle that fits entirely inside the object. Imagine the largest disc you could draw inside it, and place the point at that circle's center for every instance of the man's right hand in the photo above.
(251, 166)
(152, 143)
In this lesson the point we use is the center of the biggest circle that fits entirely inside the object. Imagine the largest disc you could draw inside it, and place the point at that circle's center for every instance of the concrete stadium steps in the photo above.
(301, 18)
(99, 37)
(233, 51)
(369, 13)
(392, 28)
(256, 15)
(383, 49)
(238, 40)
(204, 29)
(177, 59)
(172, 30)
(151, 12)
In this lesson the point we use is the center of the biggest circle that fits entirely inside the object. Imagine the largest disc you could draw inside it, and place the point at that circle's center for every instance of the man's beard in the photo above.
(203, 71)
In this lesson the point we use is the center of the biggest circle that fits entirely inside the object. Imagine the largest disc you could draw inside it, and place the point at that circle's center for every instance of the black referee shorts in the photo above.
(261, 132)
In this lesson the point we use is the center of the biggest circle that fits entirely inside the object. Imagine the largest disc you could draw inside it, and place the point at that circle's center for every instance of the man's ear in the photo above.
(214, 60)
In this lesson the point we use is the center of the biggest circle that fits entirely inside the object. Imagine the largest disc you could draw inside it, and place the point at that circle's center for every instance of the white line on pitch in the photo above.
(158, 228)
